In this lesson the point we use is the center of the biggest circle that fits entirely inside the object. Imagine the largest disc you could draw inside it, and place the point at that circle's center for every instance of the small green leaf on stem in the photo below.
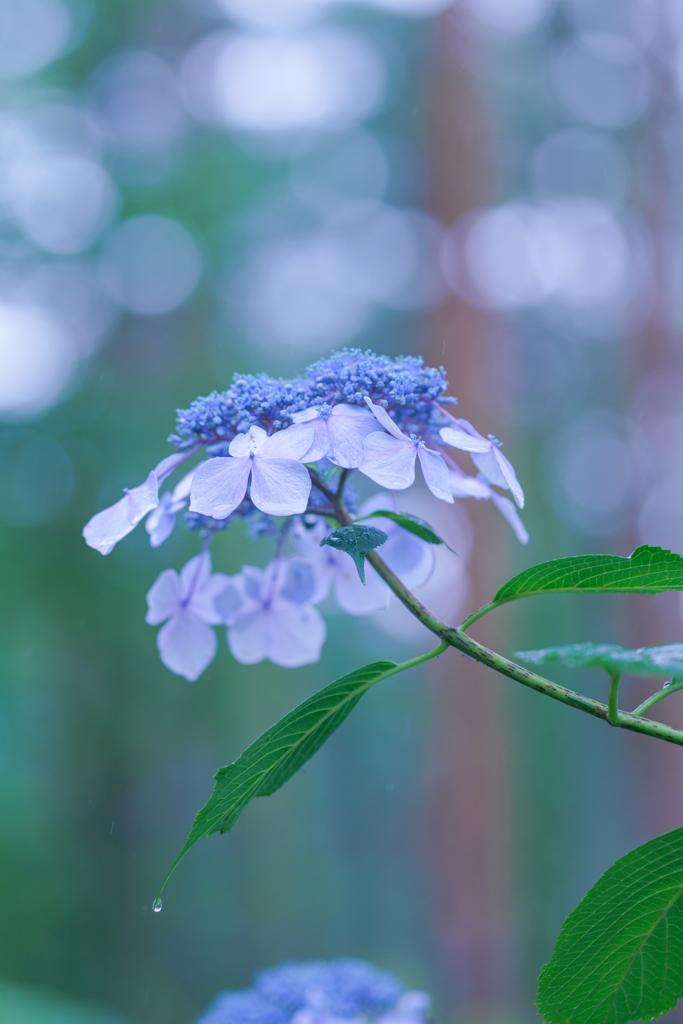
(663, 660)
(413, 525)
(619, 955)
(356, 541)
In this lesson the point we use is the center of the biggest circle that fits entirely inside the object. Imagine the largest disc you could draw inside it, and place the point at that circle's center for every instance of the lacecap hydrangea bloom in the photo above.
(336, 992)
(276, 455)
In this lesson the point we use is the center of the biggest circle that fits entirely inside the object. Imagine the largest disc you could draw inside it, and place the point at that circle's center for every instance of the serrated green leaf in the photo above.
(648, 570)
(619, 955)
(663, 660)
(280, 751)
(356, 541)
(412, 524)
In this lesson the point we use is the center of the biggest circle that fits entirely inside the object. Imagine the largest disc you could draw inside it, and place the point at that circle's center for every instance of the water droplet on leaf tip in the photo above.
(156, 906)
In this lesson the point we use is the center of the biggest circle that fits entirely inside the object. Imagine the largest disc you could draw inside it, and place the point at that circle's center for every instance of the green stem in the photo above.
(455, 637)
(613, 716)
(672, 687)
(471, 619)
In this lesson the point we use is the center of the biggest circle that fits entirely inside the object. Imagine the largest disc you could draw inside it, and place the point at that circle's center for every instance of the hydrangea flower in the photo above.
(489, 460)
(406, 555)
(276, 449)
(185, 602)
(161, 521)
(389, 459)
(336, 992)
(280, 485)
(112, 524)
(269, 614)
(339, 433)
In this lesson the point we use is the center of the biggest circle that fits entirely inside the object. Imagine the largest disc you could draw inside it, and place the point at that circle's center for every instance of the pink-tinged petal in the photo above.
(292, 443)
(194, 574)
(280, 487)
(181, 491)
(435, 472)
(219, 485)
(348, 426)
(203, 601)
(186, 645)
(248, 637)
(244, 445)
(509, 476)
(389, 461)
(509, 512)
(409, 557)
(112, 524)
(464, 486)
(296, 634)
(159, 523)
(163, 597)
(459, 438)
(354, 598)
(385, 419)
(320, 442)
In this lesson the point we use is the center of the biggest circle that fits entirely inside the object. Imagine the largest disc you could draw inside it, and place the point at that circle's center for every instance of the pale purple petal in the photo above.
(292, 443)
(385, 419)
(510, 477)
(219, 485)
(182, 489)
(409, 557)
(194, 574)
(435, 473)
(163, 597)
(203, 601)
(167, 465)
(389, 461)
(296, 580)
(354, 598)
(320, 442)
(112, 524)
(457, 437)
(280, 487)
(248, 637)
(509, 512)
(186, 645)
(488, 466)
(348, 426)
(464, 486)
(230, 602)
(244, 445)
(296, 634)
(305, 416)
(384, 501)
(160, 522)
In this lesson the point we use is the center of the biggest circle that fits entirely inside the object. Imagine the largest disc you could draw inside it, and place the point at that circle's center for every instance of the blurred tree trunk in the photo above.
(470, 823)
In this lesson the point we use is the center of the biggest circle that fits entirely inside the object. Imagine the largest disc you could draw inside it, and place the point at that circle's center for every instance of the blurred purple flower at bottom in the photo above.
(336, 992)
(187, 644)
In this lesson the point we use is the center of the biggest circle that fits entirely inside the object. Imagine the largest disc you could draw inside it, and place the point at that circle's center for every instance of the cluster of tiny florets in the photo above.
(341, 989)
(403, 385)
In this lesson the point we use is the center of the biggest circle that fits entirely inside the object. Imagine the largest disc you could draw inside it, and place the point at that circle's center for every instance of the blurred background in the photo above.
(197, 187)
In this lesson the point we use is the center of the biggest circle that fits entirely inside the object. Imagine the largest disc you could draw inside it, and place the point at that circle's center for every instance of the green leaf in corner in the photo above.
(279, 752)
(664, 660)
(356, 541)
(413, 525)
(619, 955)
(647, 571)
